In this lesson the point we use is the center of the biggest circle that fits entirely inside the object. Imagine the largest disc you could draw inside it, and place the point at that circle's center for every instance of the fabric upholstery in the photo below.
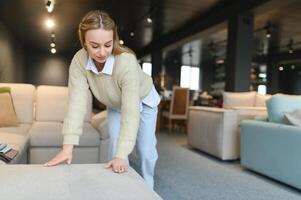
(52, 104)
(21, 129)
(232, 99)
(72, 182)
(279, 104)
(8, 115)
(49, 134)
(260, 99)
(16, 141)
(294, 117)
(23, 98)
(272, 149)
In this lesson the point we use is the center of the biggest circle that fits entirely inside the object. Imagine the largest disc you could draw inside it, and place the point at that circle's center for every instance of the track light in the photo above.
(49, 23)
(268, 29)
(290, 46)
(149, 20)
(53, 50)
(49, 4)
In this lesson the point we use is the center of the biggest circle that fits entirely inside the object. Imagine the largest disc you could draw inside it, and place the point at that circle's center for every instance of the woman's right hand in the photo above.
(64, 155)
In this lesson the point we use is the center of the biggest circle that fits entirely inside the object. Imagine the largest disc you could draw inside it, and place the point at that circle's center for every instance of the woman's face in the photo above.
(99, 44)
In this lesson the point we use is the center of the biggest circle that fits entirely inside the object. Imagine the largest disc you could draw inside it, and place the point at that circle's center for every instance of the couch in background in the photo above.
(38, 136)
(272, 147)
(216, 130)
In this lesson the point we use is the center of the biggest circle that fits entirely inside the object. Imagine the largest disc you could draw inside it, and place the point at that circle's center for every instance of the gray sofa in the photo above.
(38, 137)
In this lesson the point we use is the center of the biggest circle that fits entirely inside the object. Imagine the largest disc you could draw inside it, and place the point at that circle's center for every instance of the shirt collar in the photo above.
(107, 69)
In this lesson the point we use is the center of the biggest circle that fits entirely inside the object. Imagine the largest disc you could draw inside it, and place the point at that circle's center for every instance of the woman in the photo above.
(115, 78)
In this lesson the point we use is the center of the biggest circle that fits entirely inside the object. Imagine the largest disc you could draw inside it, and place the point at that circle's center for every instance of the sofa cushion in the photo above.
(260, 99)
(49, 134)
(23, 98)
(5, 90)
(21, 129)
(233, 99)
(294, 117)
(277, 105)
(18, 142)
(8, 115)
(52, 104)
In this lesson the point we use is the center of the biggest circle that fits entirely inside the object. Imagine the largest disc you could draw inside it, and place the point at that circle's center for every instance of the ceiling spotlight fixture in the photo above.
(53, 50)
(121, 42)
(49, 4)
(290, 46)
(149, 20)
(293, 66)
(281, 68)
(49, 23)
(52, 44)
(132, 34)
(268, 29)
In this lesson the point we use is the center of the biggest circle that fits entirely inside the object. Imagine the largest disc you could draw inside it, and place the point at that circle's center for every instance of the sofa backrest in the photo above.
(23, 98)
(52, 104)
(234, 99)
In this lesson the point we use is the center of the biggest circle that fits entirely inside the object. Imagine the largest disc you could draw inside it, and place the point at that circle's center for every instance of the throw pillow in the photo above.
(234, 99)
(4, 90)
(8, 115)
(277, 105)
(294, 117)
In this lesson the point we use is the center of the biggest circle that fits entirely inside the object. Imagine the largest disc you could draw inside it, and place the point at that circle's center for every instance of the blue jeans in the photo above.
(145, 143)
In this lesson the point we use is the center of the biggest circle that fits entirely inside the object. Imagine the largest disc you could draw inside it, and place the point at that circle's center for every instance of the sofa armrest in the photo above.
(272, 149)
(99, 122)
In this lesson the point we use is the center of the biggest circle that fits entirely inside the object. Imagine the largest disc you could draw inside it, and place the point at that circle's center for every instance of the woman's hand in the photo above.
(64, 155)
(118, 165)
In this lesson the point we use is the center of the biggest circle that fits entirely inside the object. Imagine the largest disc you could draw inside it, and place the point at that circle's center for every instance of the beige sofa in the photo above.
(216, 130)
(38, 137)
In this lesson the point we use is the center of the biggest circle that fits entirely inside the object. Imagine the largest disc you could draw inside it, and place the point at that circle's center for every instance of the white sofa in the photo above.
(216, 130)
(38, 137)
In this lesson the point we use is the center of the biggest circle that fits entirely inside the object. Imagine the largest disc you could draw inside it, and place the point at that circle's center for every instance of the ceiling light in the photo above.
(132, 34)
(49, 4)
(49, 23)
(53, 50)
(149, 20)
(121, 42)
(290, 46)
(281, 68)
(293, 66)
(52, 44)
(268, 34)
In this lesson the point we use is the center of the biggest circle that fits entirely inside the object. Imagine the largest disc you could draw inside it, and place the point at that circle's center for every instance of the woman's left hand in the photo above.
(118, 165)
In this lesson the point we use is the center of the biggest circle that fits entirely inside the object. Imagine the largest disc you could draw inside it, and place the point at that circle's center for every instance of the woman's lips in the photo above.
(100, 58)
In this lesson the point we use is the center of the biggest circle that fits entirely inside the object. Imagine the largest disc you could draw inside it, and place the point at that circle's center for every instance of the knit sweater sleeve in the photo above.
(130, 114)
(77, 102)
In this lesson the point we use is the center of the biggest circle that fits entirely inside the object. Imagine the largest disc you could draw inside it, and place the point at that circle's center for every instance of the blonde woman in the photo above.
(115, 78)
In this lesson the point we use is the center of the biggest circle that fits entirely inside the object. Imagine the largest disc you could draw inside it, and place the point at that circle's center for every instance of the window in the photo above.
(147, 68)
(190, 77)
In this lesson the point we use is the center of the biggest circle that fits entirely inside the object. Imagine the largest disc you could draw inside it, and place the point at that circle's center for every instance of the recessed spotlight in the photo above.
(281, 68)
(52, 44)
(53, 50)
(149, 20)
(132, 34)
(49, 23)
(293, 66)
(121, 42)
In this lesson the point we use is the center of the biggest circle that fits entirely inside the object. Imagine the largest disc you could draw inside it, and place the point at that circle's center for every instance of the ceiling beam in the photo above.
(214, 17)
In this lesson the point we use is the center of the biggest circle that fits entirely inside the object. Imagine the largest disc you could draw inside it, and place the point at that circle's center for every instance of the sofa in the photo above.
(40, 112)
(271, 146)
(216, 130)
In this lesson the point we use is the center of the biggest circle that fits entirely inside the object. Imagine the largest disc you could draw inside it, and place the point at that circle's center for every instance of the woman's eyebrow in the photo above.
(92, 42)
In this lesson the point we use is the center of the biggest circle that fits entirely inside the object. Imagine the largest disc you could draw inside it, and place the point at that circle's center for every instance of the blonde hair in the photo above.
(99, 19)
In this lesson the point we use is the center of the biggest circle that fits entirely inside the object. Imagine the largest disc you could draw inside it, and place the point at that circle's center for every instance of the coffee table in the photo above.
(75, 181)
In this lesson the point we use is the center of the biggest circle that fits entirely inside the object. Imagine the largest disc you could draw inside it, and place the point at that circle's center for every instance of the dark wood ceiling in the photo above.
(25, 20)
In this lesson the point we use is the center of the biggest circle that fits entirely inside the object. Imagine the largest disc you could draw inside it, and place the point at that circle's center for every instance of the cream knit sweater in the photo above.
(123, 91)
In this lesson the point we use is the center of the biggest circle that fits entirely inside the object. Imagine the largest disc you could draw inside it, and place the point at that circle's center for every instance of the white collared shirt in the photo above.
(152, 99)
